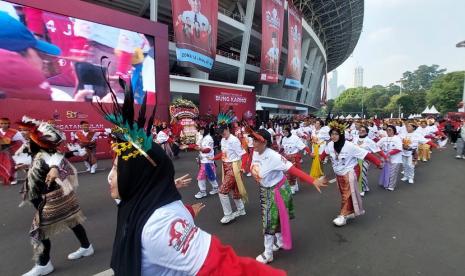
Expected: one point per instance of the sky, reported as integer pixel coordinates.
(400, 35)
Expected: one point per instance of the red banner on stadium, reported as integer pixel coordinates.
(214, 100)
(195, 24)
(67, 117)
(294, 50)
(272, 37)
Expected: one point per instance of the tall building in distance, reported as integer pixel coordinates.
(358, 77)
(333, 86)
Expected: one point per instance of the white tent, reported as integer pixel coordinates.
(341, 117)
(426, 111)
(349, 116)
(356, 116)
(433, 110)
(410, 116)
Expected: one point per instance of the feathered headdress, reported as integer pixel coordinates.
(42, 133)
(133, 137)
(225, 118)
(340, 127)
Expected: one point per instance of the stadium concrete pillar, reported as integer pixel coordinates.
(314, 81)
(154, 10)
(308, 74)
(305, 49)
(246, 40)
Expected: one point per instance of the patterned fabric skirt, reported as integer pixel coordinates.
(363, 178)
(315, 170)
(56, 213)
(351, 201)
(388, 177)
(269, 209)
(295, 160)
(207, 171)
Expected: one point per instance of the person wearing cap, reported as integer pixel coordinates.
(50, 186)
(10, 141)
(22, 54)
(269, 169)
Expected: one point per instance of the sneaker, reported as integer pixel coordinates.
(214, 191)
(264, 259)
(410, 181)
(404, 179)
(81, 252)
(362, 194)
(249, 174)
(340, 220)
(239, 213)
(227, 219)
(402, 172)
(293, 189)
(390, 189)
(201, 194)
(14, 182)
(277, 247)
(463, 156)
(39, 270)
(458, 156)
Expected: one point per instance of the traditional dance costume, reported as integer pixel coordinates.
(88, 141)
(369, 145)
(424, 149)
(207, 168)
(10, 141)
(392, 148)
(231, 155)
(164, 140)
(292, 145)
(56, 203)
(345, 165)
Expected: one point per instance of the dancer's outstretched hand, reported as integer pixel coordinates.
(183, 181)
(320, 182)
(197, 207)
(52, 175)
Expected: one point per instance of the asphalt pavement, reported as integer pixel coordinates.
(419, 229)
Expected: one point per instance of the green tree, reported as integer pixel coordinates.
(349, 101)
(422, 78)
(446, 92)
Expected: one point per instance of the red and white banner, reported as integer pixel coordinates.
(67, 117)
(214, 100)
(195, 24)
(272, 37)
(294, 50)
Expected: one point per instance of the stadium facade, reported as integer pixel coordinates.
(330, 32)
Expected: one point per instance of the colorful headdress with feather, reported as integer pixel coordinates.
(225, 118)
(133, 137)
(340, 127)
(42, 133)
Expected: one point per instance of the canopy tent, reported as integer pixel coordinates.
(349, 116)
(426, 111)
(356, 116)
(433, 110)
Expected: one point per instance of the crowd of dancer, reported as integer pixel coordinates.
(156, 232)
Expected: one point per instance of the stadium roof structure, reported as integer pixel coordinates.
(338, 24)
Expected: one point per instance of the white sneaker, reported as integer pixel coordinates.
(362, 194)
(277, 247)
(404, 178)
(39, 270)
(200, 194)
(463, 156)
(458, 156)
(340, 220)
(214, 191)
(292, 189)
(14, 182)
(81, 252)
(227, 219)
(93, 168)
(410, 181)
(390, 189)
(264, 259)
(239, 213)
(402, 172)
(249, 174)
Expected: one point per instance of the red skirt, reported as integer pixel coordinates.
(7, 167)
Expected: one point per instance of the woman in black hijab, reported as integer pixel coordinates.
(156, 233)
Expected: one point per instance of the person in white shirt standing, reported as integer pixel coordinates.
(392, 148)
(410, 142)
(207, 168)
(291, 146)
(269, 169)
(231, 155)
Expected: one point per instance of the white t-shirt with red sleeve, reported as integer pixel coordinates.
(231, 149)
(347, 159)
(269, 167)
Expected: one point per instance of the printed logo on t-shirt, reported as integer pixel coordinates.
(181, 234)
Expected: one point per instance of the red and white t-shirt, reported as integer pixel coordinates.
(231, 149)
(347, 159)
(292, 144)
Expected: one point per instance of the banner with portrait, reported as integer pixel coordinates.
(195, 24)
(272, 37)
(294, 50)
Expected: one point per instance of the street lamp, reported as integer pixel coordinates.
(461, 44)
(400, 93)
